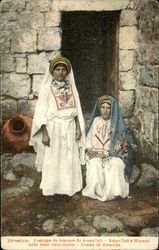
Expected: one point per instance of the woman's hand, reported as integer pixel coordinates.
(78, 132)
(45, 136)
(91, 153)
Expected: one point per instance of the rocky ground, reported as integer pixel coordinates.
(26, 212)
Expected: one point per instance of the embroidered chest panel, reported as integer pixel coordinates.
(64, 96)
(103, 133)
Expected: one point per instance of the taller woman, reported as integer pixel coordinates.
(58, 131)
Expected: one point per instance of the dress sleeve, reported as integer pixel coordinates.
(89, 137)
(40, 115)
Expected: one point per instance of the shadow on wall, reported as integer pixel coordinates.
(90, 41)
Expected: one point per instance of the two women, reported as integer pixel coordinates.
(58, 137)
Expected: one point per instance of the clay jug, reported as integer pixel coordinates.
(16, 133)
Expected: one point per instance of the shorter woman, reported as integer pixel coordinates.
(108, 156)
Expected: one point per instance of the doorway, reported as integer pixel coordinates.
(90, 41)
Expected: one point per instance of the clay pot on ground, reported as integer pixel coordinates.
(16, 133)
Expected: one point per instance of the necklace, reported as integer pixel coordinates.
(60, 85)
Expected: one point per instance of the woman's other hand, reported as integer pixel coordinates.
(78, 133)
(91, 153)
(45, 136)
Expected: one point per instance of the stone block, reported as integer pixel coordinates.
(126, 59)
(155, 135)
(128, 38)
(148, 149)
(135, 174)
(32, 5)
(148, 122)
(36, 20)
(11, 16)
(83, 226)
(128, 18)
(27, 181)
(9, 20)
(146, 99)
(37, 80)
(52, 19)
(18, 6)
(127, 80)
(39, 5)
(132, 5)
(49, 39)
(89, 5)
(7, 63)
(21, 64)
(108, 223)
(149, 232)
(44, 5)
(145, 77)
(16, 85)
(142, 98)
(53, 54)
(14, 192)
(6, 5)
(138, 219)
(6, 160)
(37, 63)
(27, 107)
(155, 75)
(149, 76)
(24, 159)
(10, 176)
(153, 101)
(24, 41)
(148, 177)
(142, 58)
(9, 5)
(3, 21)
(127, 100)
(152, 53)
(49, 226)
(5, 41)
(9, 108)
(131, 123)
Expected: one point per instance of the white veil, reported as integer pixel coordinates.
(70, 78)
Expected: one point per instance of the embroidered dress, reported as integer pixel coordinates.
(57, 105)
(108, 176)
(105, 176)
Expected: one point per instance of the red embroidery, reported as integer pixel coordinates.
(65, 100)
(103, 144)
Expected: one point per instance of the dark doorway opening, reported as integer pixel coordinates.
(90, 41)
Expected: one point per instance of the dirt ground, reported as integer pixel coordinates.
(24, 215)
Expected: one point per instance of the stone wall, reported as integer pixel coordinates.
(146, 105)
(128, 75)
(31, 35)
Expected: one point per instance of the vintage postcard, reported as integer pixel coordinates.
(79, 151)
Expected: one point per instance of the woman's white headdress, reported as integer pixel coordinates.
(70, 77)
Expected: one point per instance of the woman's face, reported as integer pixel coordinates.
(105, 110)
(60, 72)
